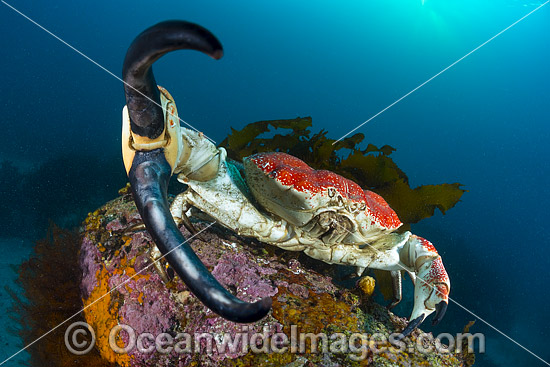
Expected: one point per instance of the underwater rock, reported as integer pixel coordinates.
(121, 284)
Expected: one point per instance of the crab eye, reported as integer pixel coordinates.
(331, 192)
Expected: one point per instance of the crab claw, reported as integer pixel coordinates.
(432, 286)
(149, 163)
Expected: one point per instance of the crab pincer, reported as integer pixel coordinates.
(273, 197)
(150, 155)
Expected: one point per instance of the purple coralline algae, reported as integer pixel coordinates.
(118, 258)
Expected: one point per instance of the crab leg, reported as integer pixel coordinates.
(396, 288)
(238, 213)
(396, 252)
(151, 150)
(432, 285)
(178, 210)
(417, 256)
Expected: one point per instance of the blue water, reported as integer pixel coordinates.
(484, 123)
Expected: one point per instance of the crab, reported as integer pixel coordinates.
(273, 197)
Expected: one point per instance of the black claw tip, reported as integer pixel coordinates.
(142, 95)
(244, 312)
(262, 308)
(149, 177)
(440, 310)
(266, 303)
(413, 324)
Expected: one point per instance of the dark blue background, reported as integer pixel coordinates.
(484, 123)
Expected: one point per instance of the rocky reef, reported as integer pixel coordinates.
(112, 270)
(117, 259)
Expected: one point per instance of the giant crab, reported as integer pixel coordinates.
(273, 197)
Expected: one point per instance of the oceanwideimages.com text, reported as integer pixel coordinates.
(80, 339)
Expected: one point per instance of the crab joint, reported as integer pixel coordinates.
(169, 140)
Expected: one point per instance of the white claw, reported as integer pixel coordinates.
(432, 284)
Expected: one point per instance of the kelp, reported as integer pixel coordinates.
(468, 355)
(51, 295)
(372, 168)
(51, 277)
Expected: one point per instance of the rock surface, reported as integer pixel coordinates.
(123, 285)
